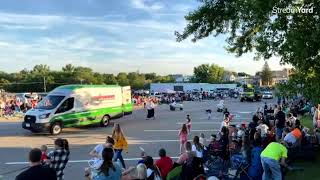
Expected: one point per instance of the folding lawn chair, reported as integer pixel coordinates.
(215, 166)
(239, 167)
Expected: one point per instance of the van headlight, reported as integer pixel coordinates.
(44, 116)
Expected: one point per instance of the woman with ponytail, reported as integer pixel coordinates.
(108, 170)
(59, 157)
(120, 144)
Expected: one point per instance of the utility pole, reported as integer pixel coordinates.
(44, 84)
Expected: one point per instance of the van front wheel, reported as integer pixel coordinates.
(105, 121)
(56, 129)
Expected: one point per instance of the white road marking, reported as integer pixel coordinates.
(208, 122)
(176, 130)
(83, 161)
(244, 112)
(145, 141)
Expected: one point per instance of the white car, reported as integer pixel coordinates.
(267, 95)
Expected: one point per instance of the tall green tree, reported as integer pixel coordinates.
(206, 73)
(261, 26)
(41, 69)
(122, 79)
(109, 79)
(266, 74)
(136, 80)
(68, 68)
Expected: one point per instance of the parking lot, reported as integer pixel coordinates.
(151, 135)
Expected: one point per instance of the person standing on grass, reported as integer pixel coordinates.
(316, 117)
(280, 123)
(183, 136)
(36, 170)
(270, 157)
(150, 109)
(120, 144)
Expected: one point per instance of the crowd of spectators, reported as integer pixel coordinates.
(11, 104)
(266, 148)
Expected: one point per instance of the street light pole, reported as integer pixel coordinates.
(44, 84)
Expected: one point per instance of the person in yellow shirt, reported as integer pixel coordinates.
(120, 144)
(270, 157)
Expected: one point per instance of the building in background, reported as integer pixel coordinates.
(229, 77)
(280, 76)
(189, 87)
(244, 78)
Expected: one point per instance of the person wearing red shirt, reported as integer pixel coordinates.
(164, 164)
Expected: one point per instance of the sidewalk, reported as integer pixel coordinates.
(12, 119)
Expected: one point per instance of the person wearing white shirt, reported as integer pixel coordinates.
(197, 147)
(262, 128)
(316, 116)
(150, 108)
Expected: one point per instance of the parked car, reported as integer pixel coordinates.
(267, 95)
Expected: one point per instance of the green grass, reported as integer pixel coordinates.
(311, 169)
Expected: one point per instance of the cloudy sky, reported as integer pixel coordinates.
(109, 36)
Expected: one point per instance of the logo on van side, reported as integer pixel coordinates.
(104, 97)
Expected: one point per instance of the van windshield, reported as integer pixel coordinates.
(50, 102)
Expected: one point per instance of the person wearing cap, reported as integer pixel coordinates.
(270, 158)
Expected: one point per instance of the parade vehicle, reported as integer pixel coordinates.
(221, 107)
(174, 105)
(78, 105)
(250, 93)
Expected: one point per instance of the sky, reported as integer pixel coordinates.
(109, 36)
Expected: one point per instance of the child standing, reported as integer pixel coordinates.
(44, 156)
(183, 136)
(188, 124)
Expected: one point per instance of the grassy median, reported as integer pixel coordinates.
(311, 169)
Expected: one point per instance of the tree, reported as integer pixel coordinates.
(151, 76)
(261, 26)
(41, 69)
(136, 80)
(266, 74)
(109, 79)
(206, 73)
(202, 73)
(122, 79)
(68, 68)
(84, 75)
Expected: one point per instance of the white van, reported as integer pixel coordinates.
(78, 105)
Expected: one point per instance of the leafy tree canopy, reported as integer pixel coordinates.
(262, 26)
